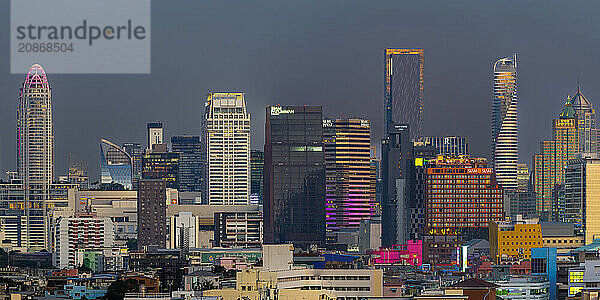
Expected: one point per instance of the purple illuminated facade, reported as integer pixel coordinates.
(350, 178)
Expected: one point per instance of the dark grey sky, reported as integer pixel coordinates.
(324, 52)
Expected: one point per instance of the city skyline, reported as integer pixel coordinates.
(276, 79)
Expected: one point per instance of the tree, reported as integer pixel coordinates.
(117, 289)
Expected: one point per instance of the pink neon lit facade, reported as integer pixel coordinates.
(350, 178)
(409, 254)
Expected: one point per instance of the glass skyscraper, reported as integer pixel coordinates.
(190, 162)
(135, 151)
(403, 90)
(257, 162)
(504, 122)
(116, 165)
(294, 177)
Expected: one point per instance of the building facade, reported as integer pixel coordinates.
(35, 156)
(116, 165)
(462, 195)
(582, 196)
(396, 150)
(586, 123)
(513, 241)
(184, 231)
(238, 229)
(294, 175)
(549, 164)
(152, 213)
(135, 151)
(257, 162)
(504, 122)
(350, 179)
(160, 164)
(189, 149)
(154, 134)
(447, 145)
(403, 89)
(76, 234)
(78, 172)
(226, 139)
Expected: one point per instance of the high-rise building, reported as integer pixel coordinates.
(257, 162)
(190, 162)
(454, 186)
(404, 89)
(154, 134)
(582, 196)
(586, 123)
(376, 165)
(152, 213)
(135, 151)
(447, 145)
(76, 234)
(35, 155)
(160, 164)
(422, 155)
(226, 144)
(78, 172)
(505, 122)
(294, 175)
(350, 179)
(549, 164)
(115, 164)
(396, 151)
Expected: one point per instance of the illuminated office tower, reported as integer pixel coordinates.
(116, 165)
(226, 146)
(447, 145)
(189, 149)
(350, 179)
(505, 122)
(154, 134)
(549, 164)
(257, 162)
(586, 122)
(294, 177)
(158, 163)
(35, 156)
(403, 90)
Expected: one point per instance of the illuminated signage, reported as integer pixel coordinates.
(419, 161)
(479, 171)
(277, 110)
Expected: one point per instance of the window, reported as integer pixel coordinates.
(538, 265)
